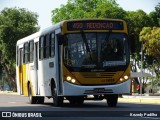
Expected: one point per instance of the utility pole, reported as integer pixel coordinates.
(141, 80)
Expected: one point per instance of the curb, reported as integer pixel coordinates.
(140, 100)
(8, 93)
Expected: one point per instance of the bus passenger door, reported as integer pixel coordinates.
(36, 67)
(59, 65)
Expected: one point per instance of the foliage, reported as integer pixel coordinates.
(157, 9)
(151, 39)
(75, 9)
(154, 16)
(104, 9)
(136, 21)
(15, 23)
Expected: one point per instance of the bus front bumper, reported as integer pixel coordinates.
(79, 90)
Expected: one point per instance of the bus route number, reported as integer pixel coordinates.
(77, 25)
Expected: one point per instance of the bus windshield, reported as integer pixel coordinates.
(95, 50)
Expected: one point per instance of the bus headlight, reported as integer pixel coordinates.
(126, 77)
(73, 80)
(121, 79)
(68, 78)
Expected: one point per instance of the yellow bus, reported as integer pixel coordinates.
(75, 60)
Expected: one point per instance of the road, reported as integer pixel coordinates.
(95, 110)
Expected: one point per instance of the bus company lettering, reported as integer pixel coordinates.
(108, 25)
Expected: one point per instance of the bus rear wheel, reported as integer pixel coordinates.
(34, 99)
(40, 100)
(112, 100)
(57, 100)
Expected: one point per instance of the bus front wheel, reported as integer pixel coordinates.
(57, 100)
(112, 100)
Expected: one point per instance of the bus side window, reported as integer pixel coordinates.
(41, 48)
(26, 53)
(31, 50)
(19, 62)
(46, 46)
(52, 45)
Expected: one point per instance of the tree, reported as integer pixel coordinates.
(155, 16)
(75, 9)
(157, 9)
(136, 21)
(150, 38)
(104, 9)
(15, 23)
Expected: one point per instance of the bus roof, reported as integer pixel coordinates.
(39, 33)
(56, 26)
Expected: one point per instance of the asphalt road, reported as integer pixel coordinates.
(17, 107)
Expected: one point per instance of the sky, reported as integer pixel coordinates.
(44, 7)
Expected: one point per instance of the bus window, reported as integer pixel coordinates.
(17, 57)
(46, 46)
(31, 50)
(41, 46)
(52, 45)
(26, 53)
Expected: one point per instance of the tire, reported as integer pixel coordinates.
(57, 100)
(77, 100)
(34, 99)
(112, 100)
(40, 100)
(80, 101)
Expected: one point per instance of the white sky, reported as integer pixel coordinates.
(44, 7)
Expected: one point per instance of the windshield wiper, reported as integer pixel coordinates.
(86, 44)
(85, 41)
(108, 35)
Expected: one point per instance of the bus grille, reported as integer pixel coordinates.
(98, 75)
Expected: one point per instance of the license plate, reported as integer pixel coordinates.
(97, 90)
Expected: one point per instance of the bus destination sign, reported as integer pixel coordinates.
(95, 25)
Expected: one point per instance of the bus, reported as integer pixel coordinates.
(75, 60)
